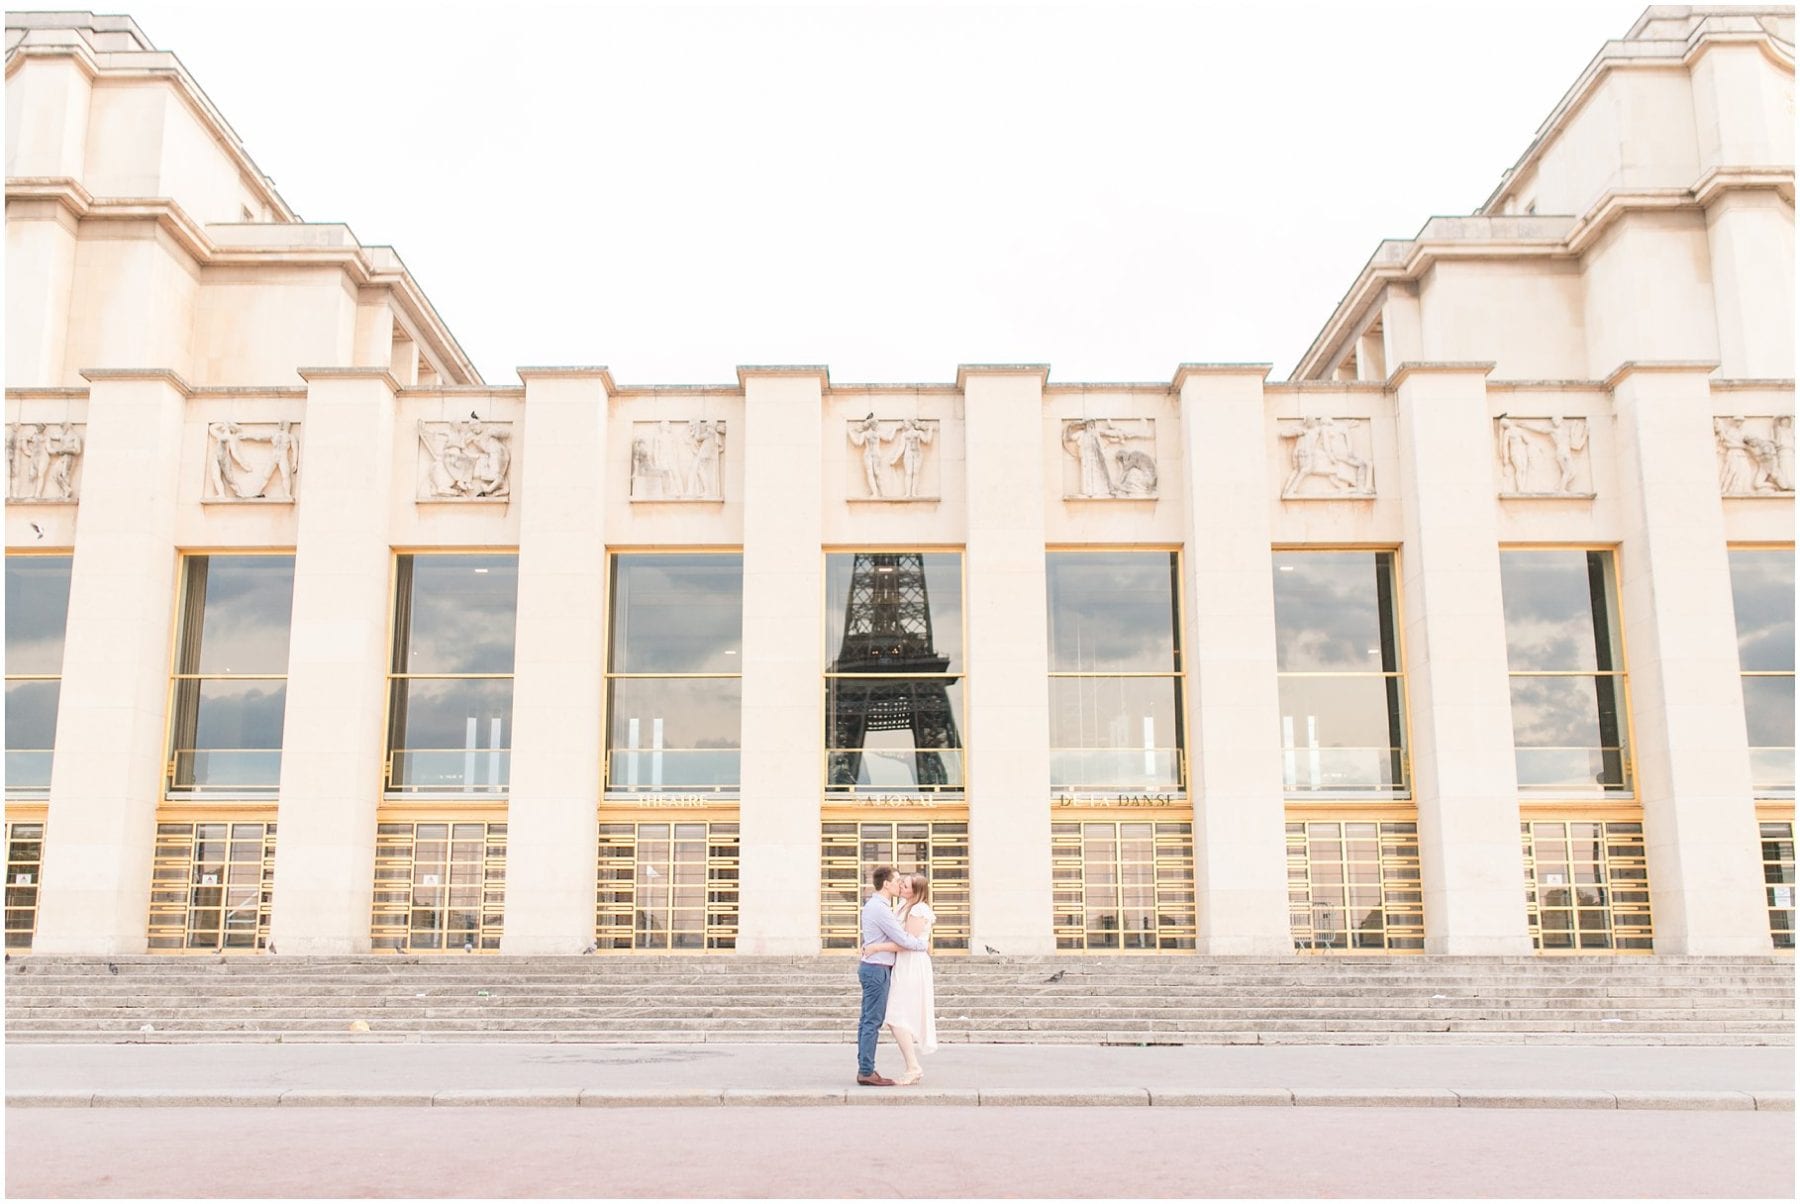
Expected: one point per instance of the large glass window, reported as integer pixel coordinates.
(1343, 698)
(37, 612)
(1587, 886)
(667, 886)
(674, 676)
(1567, 674)
(1115, 671)
(893, 673)
(1122, 885)
(439, 886)
(450, 701)
(211, 886)
(1354, 885)
(230, 687)
(1762, 592)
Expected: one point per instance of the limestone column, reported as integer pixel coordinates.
(1692, 753)
(1750, 237)
(784, 706)
(1228, 637)
(559, 664)
(1465, 782)
(333, 743)
(111, 731)
(1008, 699)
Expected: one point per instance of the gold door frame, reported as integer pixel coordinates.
(181, 897)
(619, 878)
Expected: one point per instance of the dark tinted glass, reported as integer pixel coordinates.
(1559, 613)
(237, 614)
(457, 613)
(893, 612)
(37, 612)
(1762, 592)
(1113, 612)
(678, 613)
(1334, 612)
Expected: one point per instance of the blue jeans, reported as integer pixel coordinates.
(875, 980)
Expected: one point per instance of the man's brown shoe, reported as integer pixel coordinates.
(873, 1080)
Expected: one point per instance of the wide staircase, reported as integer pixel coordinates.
(1118, 1000)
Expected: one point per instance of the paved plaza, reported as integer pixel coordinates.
(1568, 1077)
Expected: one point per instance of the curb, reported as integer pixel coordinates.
(986, 1097)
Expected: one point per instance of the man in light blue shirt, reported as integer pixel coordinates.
(876, 969)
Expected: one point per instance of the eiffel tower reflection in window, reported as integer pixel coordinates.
(893, 694)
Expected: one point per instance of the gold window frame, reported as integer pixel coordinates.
(1179, 676)
(619, 884)
(181, 896)
(33, 793)
(1079, 889)
(1392, 876)
(403, 891)
(845, 837)
(23, 861)
(1621, 876)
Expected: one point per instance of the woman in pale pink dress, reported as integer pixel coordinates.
(912, 1003)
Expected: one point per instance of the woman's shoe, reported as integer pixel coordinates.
(909, 1078)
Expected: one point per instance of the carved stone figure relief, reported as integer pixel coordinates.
(894, 459)
(1327, 458)
(1109, 458)
(1543, 457)
(1756, 455)
(678, 461)
(467, 460)
(43, 461)
(251, 461)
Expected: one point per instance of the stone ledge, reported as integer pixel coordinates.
(1221, 1097)
(1536, 1099)
(515, 1097)
(989, 1097)
(1688, 1101)
(332, 1097)
(1376, 1097)
(1080, 1097)
(651, 1097)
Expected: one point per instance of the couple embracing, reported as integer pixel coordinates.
(895, 973)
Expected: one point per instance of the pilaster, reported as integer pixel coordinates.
(1228, 632)
(558, 665)
(783, 737)
(111, 737)
(1008, 701)
(1691, 751)
(1465, 782)
(333, 744)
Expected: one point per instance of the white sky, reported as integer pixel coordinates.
(887, 189)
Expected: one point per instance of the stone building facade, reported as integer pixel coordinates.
(1475, 636)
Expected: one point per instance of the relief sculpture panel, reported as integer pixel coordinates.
(467, 460)
(1756, 455)
(894, 459)
(678, 461)
(1328, 458)
(1543, 457)
(1109, 457)
(251, 461)
(43, 461)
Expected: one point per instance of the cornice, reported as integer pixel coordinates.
(1413, 368)
(1639, 56)
(114, 70)
(45, 392)
(1748, 383)
(164, 375)
(818, 371)
(965, 371)
(1185, 370)
(309, 375)
(415, 311)
(1644, 367)
(1407, 260)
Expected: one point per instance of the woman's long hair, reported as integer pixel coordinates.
(921, 889)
